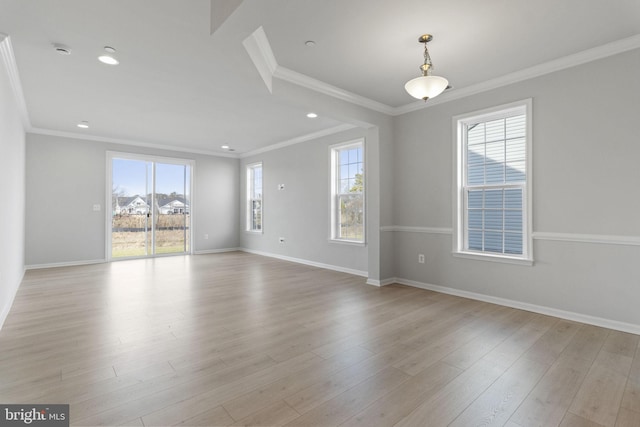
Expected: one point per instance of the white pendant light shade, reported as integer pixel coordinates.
(425, 87)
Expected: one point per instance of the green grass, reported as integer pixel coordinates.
(132, 244)
(136, 252)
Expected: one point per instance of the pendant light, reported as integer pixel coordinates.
(426, 86)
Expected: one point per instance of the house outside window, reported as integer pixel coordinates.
(493, 191)
(254, 197)
(347, 192)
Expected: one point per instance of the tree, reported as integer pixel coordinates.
(351, 209)
(116, 193)
(358, 185)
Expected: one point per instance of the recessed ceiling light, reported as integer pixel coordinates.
(312, 115)
(310, 43)
(83, 124)
(225, 147)
(108, 59)
(62, 49)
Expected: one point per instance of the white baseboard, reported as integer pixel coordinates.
(381, 283)
(64, 264)
(5, 310)
(568, 315)
(307, 262)
(216, 251)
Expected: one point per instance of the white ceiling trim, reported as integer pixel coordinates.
(86, 137)
(265, 61)
(260, 52)
(9, 60)
(303, 80)
(271, 66)
(259, 49)
(300, 139)
(589, 55)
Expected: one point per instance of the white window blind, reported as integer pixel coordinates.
(495, 186)
(493, 201)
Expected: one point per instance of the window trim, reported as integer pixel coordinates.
(333, 192)
(459, 124)
(249, 209)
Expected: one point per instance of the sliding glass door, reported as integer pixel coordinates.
(173, 215)
(150, 206)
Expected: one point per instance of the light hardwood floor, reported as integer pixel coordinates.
(239, 339)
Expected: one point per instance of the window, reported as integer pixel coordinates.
(254, 197)
(347, 192)
(144, 190)
(493, 183)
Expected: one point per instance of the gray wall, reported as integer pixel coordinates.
(12, 187)
(378, 134)
(300, 212)
(585, 179)
(585, 182)
(66, 177)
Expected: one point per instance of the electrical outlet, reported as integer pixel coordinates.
(96, 208)
(206, 237)
(280, 187)
(421, 258)
(281, 240)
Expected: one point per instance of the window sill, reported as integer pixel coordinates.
(256, 232)
(348, 242)
(494, 258)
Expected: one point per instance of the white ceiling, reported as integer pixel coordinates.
(178, 85)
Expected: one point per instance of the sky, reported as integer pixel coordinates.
(130, 177)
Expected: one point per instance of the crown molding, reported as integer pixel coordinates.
(589, 55)
(293, 141)
(259, 50)
(49, 132)
(9, 60)
(300, 139)
(303, 80)
(270, 65)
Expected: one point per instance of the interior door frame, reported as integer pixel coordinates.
(110, 155)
